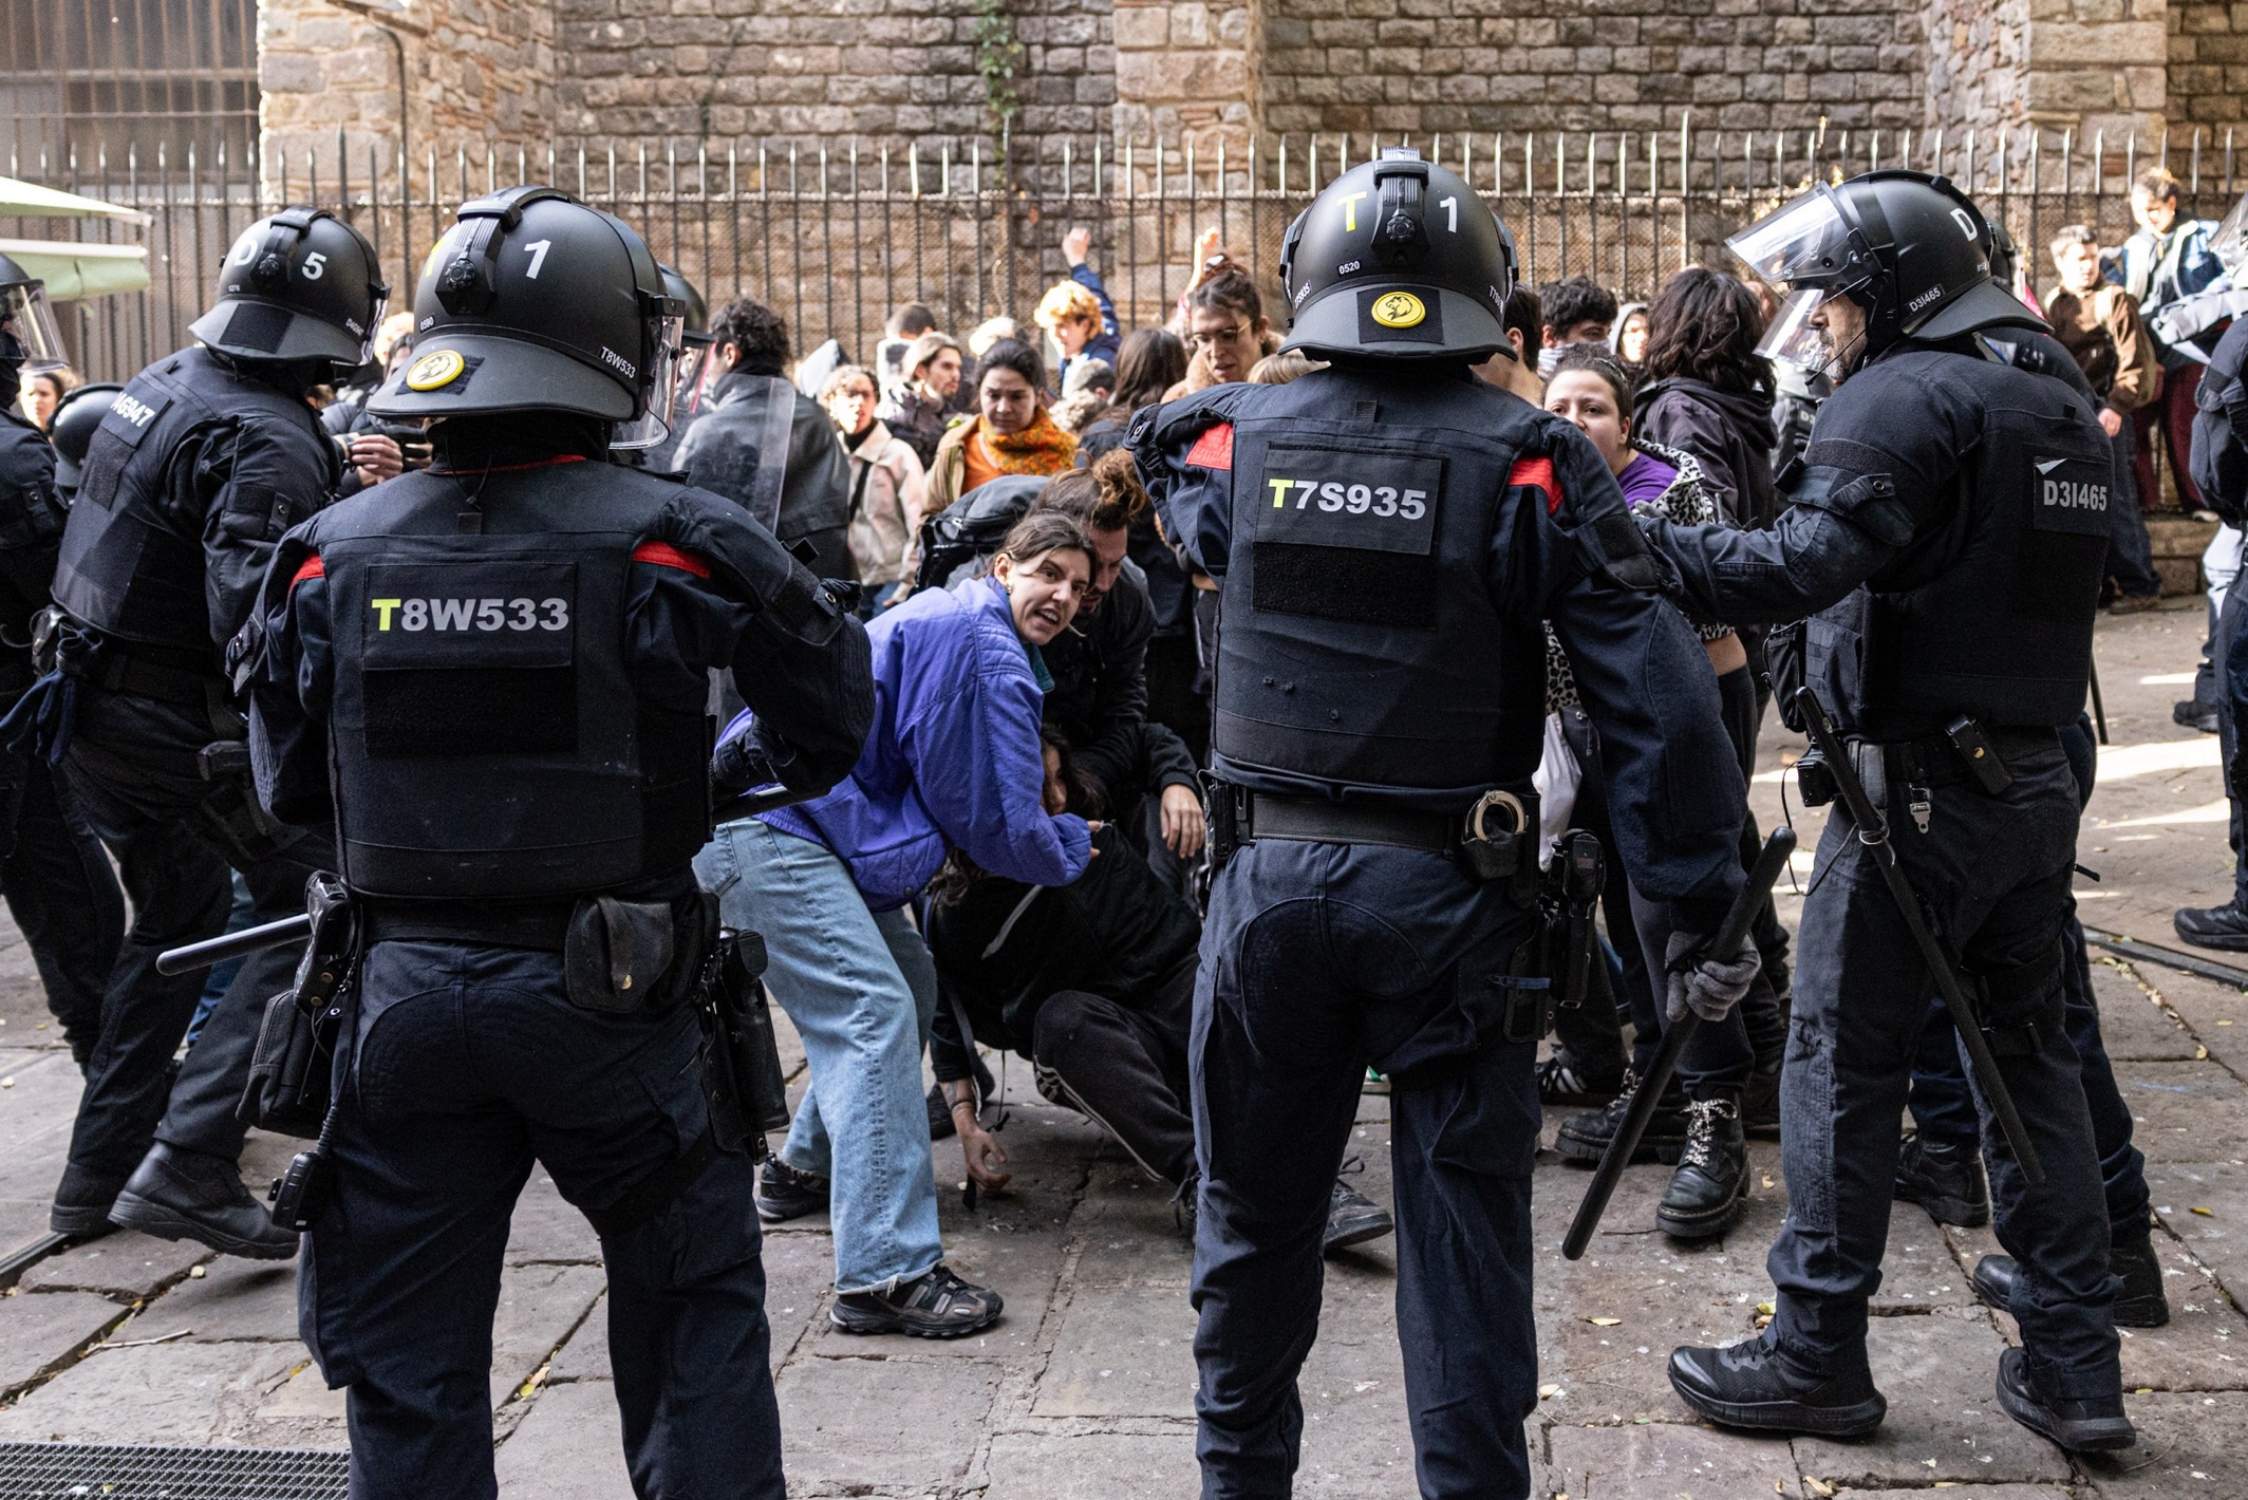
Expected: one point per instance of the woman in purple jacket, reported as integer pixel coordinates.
(953, 762)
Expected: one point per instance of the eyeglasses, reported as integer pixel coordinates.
(1222, 336)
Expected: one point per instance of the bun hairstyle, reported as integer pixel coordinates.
(1106, 497)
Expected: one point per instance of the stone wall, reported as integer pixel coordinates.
(2208, 64)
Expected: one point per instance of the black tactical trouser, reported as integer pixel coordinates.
(1993, 875)
(132, 764)
(470, 1064)
(1316, 960)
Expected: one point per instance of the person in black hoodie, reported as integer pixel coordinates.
(1093, 983)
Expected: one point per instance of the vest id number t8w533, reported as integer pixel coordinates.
(489, 616)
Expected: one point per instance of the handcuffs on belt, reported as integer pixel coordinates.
(1503, 854)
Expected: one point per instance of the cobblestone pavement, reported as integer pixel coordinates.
(1086, 1388)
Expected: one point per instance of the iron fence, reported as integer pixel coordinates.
(835, 234)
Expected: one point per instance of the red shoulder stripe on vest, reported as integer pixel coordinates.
(1537, 474)
(1214, 449)
(664, 555)
(311, 567)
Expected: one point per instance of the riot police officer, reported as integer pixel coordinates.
(1947, 539)
(1387, 534)
(499, 667)
(56, 879)
(200, 464)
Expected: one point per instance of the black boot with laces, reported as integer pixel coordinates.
(1711, 1184)
(1585, 1137)
(1754, 1385)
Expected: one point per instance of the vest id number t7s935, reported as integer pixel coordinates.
(1380, 500)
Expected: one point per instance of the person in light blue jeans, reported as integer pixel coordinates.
(953, 761)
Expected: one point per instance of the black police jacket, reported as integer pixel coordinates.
(31, 522)
(192, 477)
(1387, 542)
(720, 453)
(1946, 541)
(2220, 427)
(500, 669)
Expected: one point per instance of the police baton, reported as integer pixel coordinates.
(2099, 709)
(296, 929)
(1732, 935)
(1966, 1013)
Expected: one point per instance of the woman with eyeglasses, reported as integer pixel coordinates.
(1226, 327)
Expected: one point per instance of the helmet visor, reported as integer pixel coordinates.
(1803, 243)
(2230, 242)
(1792, 339)
(28, 333)
(653, 425)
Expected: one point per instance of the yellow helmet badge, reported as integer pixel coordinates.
(1399, 310)
(435, 370)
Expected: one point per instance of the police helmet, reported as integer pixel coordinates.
(298, 285)
(534, 301)
(1397, 259)
(2005, 259)
(71, 429)
(29, 340)
(1908, 247)
(694, 312)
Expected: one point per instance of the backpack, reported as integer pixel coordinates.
(969, 530)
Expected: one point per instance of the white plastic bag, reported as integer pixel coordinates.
(1557, 779)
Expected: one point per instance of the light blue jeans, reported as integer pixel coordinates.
(861, 989)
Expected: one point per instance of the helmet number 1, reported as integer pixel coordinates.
(538, 249)
(315, 266)
(1451, 207)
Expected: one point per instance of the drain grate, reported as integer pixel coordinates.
(69, 1471)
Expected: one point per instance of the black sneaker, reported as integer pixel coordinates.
(2141, 1303)
(783, 1193)
(1749, 1385)
(1706, 1192)
(1563, 1080)
(1585, 1137)
(1947, 1181)
(2191, 713)
(190, 1195)
(935, 1305)
(1352, 1217)
(2094, 1426)
(2223, 927)
(1760, 1100)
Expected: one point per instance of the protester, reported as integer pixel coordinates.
(1085, 394)
(919, 408)
(952, 762)
(1523, 322)
(43, 392)
(2099, 325)
(1629, 341)
(1226, 326)
(989, 332)
(888, 490)
(1078, 312)
(1578, 310)
(2166, 262)
(1011, 433)
(899, 331)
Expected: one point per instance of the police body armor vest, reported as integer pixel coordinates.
(488, 735)
(1360, 654)
(129, 567)
(30, 513)
(1989, 611)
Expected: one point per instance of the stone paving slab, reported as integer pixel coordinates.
(2184, 1111)
(901, 1423)
(124, 1264)
(2135, 1026)
(235, 1300)
(569, 1446)
(2217, 1236)
(2188, 1446)
(167, 1393)
(1672, 1460)
(39, 1331)
(1064, 1465)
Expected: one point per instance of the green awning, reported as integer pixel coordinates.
(29, 200)
(73, 271)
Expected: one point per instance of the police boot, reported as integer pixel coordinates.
(1711, 1183)
(1585, 1137)
(2081, 1426)
(1352, 1217)
(82, 1203)
(2141, 1303)
(191, 1195)
(2224, 927)
(1947, 1181)
(1753, 1385)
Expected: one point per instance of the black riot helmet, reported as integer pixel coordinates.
(534, 301)
(1397, 259)
(300, 285)
(1909, 248)
(72, 429)
(30, 343)
(694, 311)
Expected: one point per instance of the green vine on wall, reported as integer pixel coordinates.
(999, 57)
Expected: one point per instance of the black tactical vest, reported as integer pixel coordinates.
(1360, 652)
(131, 565)
(31, 514)
(489, 736)
(1989, 611)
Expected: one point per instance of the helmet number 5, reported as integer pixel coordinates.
(538, 249)
(315, 266)
(1451, 207)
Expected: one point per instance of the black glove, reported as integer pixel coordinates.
(1701, 982)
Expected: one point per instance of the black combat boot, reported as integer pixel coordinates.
(1585, 1137)
(82, 1203)
(2087, 1426)
(1752, 1385)
(1711, 1183)
(1945, 1180)
(190, 1195)
(2224, 927)
(1352, 1217)
(2141, 1303)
